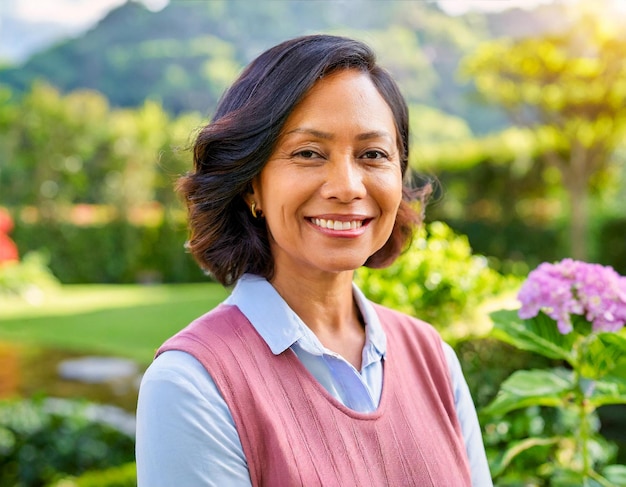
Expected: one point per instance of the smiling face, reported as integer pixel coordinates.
(332, 186)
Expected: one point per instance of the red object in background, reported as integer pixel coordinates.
(8, 249)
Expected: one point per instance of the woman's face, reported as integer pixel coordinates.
(331, 189)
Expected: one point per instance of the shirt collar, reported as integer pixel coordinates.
(281, 327)
(374, 335)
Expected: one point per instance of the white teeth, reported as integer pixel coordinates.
(338, 225)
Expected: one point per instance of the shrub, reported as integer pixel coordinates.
(439, 280)
(38, 445)
(28, 278)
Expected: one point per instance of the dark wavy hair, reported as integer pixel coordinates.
(234, 147)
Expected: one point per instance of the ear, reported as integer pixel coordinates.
(247, 194)
(254, 189)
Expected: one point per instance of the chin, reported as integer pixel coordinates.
(345, 265)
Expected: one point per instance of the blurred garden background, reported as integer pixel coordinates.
(519, 114)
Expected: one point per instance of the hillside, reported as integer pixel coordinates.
(186, 54)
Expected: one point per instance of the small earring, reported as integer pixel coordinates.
(253, 209)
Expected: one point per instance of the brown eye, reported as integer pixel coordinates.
(374, 154)
(307, 154)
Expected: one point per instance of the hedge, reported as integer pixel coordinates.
(115, 252)
(612, 244)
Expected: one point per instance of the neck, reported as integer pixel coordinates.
(326, 305)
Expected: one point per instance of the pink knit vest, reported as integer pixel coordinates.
(294, 433)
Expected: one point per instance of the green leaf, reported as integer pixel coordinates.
(567, 477)
(603, 353)
(615, 474)
(610, 390)
(539, 334)
(515, 449)
(526, 388)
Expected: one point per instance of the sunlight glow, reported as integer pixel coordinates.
(459, 7)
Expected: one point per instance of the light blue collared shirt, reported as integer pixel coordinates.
(186, 435)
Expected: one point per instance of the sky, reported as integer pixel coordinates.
(79, 14)
(84, 13)
(29, 25)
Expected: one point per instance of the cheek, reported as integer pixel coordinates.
(391, 204)
(390, 192)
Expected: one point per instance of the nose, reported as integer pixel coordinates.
(345, 180)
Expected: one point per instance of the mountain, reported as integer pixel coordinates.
(30, 39)
(187, 53)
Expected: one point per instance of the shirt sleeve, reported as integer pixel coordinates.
(466, 412)
(185, 432)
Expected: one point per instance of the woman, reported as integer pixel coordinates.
(297, 379)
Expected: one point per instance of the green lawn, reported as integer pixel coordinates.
(125, 320)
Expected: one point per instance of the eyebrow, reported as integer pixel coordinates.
(374, 134)
(315, 133)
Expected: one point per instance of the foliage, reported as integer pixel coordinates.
(503, 359)
(437, 279)
(611, 241)
(37, 445)
(514, 246)
(571, 87)
(495, 190)
(436, 128)
(72, 149)
(119, 476)
(148, 252)
(28, 279)
(572, 452)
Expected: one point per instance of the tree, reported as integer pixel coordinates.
(58, 150)
(570, 88)
(48, 143)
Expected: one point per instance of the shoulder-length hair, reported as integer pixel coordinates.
(229, 152)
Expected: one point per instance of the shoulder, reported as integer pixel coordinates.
(178, 374)
(212, 331)
(220, 319)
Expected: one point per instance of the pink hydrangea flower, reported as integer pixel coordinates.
(572, 287)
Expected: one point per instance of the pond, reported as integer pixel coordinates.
(30, 371)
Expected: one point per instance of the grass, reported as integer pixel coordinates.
(123, 320)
